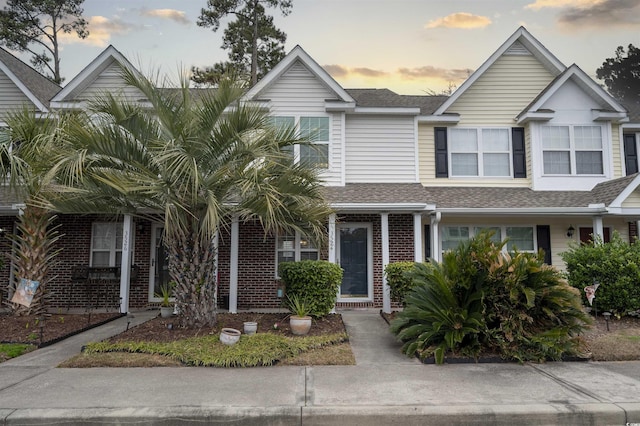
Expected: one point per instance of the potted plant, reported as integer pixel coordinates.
(166, 290)
(300, 318)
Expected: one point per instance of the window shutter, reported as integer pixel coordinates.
(630, 154)
(544, 241)
(519, 153)
(427, 242)
(442, 170)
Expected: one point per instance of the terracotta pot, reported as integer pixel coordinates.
(250, 327)
(299, 325)
(229, 336)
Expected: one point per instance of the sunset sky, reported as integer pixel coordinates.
(409, 46)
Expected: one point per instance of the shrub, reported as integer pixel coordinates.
(399, 279)
(615, 265)
(315, 281)
(510, 304)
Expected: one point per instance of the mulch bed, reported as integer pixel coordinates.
(168, 329)
(26, 329)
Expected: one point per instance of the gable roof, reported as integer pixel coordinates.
(90, 73)
(612, 108)
(38, 88)
(385, 98)
(518, 40)
(298, 54)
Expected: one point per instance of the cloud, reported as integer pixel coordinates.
(171, 14)
(340, 71)
(541, 4)
(101, 30)
(462, 20)
(445, 74)
(603, 14)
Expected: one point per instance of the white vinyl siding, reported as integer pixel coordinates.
(299, 93)
(110, 81)
(12, 97)
(380, 149)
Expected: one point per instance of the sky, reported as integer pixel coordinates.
(409, 46)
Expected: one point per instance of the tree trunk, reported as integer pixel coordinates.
(192, 265)
(254, 46)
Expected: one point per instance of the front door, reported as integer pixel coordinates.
(159, 273)
(356, 259)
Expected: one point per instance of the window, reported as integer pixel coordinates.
(293, 248)
(106, 244)
(572, 150)
(316, 130)
(480, 152)
(520, 237)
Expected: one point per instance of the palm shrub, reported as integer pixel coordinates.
(399, 280)
(315, 281)
(615, 265)
(517, 306)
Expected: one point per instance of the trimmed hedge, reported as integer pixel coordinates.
(615, 265)
(398, 280)
(315, 281)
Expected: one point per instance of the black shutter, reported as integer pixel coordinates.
(442, 171)
(630, 154)
(519, 153)
(544, 241)
(427, 242)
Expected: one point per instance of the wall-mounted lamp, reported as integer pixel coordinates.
(570, 231)
(140, 227)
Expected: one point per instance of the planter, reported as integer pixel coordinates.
(166, 311)
(229, 336)
(250, 327)
(299, 325)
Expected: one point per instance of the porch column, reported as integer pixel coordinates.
(125, 263)
(386, 290)
(435, 236)
(598, 228)
(332, 249)
(216, 268)
(233, 267)
(417, 237)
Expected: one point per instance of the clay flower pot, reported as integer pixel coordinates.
(229, 336)
(300, 325)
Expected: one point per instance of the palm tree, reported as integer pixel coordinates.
(23, 165)
(202, 160)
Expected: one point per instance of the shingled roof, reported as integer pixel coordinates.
(40, 86)
(386, 98)
(376, 193)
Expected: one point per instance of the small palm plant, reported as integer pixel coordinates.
(166, 292)
(298, 306)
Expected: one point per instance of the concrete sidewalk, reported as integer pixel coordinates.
(383, 388)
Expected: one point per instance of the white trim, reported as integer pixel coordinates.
(524, 211)
(446, 119)
(369, 227)
(382, 206)
(233, 266)
(343, 150)
(332, 238)
(23, 88)
(633, 185)
(531, 43)
(298, 54)
(384, 236)
(417, 237)
(386, 110)
(598, 228)
(125, 263)
(480, 152)
(503, 233)
(435, 236)
(416, 150)
(530, 116)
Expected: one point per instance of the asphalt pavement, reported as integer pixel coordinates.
(384, 387)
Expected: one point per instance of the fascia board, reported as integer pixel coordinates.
(381, 206)
(386, 110)
(625, 193)
(545, 211)
(448, 118)
(23, 88)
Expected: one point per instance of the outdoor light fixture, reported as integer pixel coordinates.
(607, 316)
(570, 231)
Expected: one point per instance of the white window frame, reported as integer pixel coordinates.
(297, 249)
(480, 152)
(296, 123)
(476, 228)
(573, 163)
(114, 249)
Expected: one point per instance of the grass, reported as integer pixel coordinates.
(262, 349)
(12, 350)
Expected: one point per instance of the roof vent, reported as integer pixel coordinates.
(517, 49)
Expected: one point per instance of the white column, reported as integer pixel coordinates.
(233, 267)
(598, 228)
(386, 290)
(125, 264)
(417, 237)
(216, 269)
(332, 238)
(435, 236)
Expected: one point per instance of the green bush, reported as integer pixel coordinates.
(399, 279)
(615, 265)
(482, 299)
(316, 281)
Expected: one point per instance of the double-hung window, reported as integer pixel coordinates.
(293, 248)
(316, 131)
(106, 244)
(572, 150)
(519, 237)
(482, 152)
